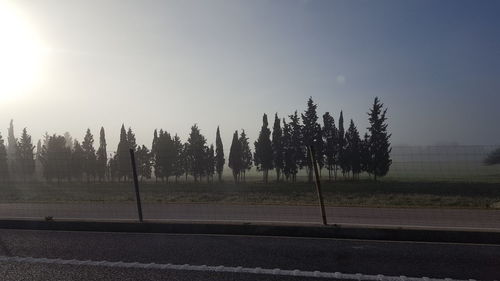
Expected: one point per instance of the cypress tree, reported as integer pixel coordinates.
(330, 139)
(11, 148)
(219, 155)
(277, 144)
(143, 157)
(25, 156)
(341, 143)
(89, 165)
(4, 168)
(311, 133)
(123, 166)
(246, 154)
(263, 156)
(353, 150)
(102, 156)
(178, 161)
(77, 161)
(155, 156)
(379, 145)
(297, 145)
(131, 139)
(290, 164)
(210, 165)
(235, 157)
(196, 152)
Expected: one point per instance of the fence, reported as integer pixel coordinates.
(434, 186)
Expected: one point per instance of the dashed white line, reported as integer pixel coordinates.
(221, 268)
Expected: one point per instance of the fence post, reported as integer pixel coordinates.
(136, 184)
(318, 183)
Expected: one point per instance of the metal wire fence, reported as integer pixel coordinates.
(432, 186)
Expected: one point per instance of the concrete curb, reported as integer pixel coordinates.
(289, 230)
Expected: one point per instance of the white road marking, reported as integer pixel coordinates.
(221, 268)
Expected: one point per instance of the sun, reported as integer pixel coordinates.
(21, 53)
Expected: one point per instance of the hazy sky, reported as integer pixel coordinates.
(170, 64)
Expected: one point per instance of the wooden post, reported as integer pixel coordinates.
(318, 183)
(136, 184)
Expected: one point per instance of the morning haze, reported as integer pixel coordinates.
(170, 64)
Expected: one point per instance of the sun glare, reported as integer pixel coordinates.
(21, 54)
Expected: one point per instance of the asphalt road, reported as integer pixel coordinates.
(434, 260)
(441, 218)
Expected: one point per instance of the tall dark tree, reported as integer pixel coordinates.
(178, 161)
(219, 155)
(379, 145)
(56, 159)
(210, 158)
(277, 144)
(143, 159)
(11, 148)
(263, 156)
(77, 161)
(311, 133)
(166, 153)
(25, 157)
(131, 139)
(297, 146)
(4, 168)
(89, 164)
(123, 167)
(102, 156)
(196, 152)
(353, 150)
(365, 154)
(341, 143)
(246, 155)
(235, 157)
(155, 156)
(290, 164)
(330, 139)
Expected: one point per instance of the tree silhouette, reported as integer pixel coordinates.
(89, 164)
(196, 152)
(379, 145)
(25, 161)
(4, 168)
(330, 150)
(341, 145)
(123, 166)
(311, 135)
(263, 156)
(235, 157)
(56, 159)
(277, 144)
(210, 165)
(11, 148)
(178, 161)
(297, 146)
(246, 154)
(102, 156)
(131, 139)
(353, 150)
(77, 161)
(290, 164)
(143, 163)
(219, 155)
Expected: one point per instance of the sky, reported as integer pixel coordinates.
(74, 65)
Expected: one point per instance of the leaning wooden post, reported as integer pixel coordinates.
(318, 183)
(136, 184)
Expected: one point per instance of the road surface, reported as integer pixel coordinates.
(440, 218)
(57, 255)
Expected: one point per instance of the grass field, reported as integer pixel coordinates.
(385, 193)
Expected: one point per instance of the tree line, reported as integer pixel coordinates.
(343, 153)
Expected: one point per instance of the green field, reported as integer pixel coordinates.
(385, 193)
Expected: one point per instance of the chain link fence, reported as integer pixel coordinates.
(427, 186)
